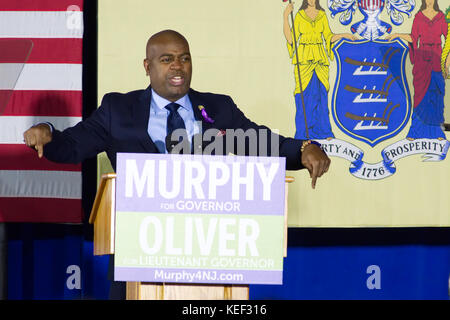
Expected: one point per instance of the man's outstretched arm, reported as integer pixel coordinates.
(298, 153)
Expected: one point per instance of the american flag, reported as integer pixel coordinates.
(40, 80)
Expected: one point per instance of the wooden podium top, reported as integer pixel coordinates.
(103, 215)
(105, 179)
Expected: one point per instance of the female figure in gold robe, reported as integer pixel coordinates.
(314, 41)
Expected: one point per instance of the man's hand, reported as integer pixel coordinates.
(37, 137)
(316, 161)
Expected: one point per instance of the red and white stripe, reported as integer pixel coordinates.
(41, 67)
(371, 4)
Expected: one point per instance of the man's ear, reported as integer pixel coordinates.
(146, 67)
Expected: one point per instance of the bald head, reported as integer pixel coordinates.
(163, 37)
(168, 63)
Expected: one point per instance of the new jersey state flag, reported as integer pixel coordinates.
(40, 80)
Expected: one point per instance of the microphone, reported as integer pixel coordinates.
(170, 144)
(178, 143)
(211, 142)
(198, 144)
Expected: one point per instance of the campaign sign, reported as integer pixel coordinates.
(199, 219)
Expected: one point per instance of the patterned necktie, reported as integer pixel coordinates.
(174, 120)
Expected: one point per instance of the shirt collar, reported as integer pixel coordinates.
(161, 102)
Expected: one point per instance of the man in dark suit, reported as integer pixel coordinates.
(140, 121)
(134, 122)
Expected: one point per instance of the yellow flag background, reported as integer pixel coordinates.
(238, 48)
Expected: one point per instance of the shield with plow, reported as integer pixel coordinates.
(371, 100)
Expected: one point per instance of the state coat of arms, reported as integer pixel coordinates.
(371, 100)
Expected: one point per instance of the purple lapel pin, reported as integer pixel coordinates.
(205, 115)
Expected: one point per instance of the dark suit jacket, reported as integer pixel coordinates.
(120, 125)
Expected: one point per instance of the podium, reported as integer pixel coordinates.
(103, 218)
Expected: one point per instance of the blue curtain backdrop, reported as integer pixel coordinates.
(414, 263)
(53, 261)
(408, 263)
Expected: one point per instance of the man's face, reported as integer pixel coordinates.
(169, 66)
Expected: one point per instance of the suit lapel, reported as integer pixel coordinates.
(196, 101)
(211, 109)
(141, 113)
